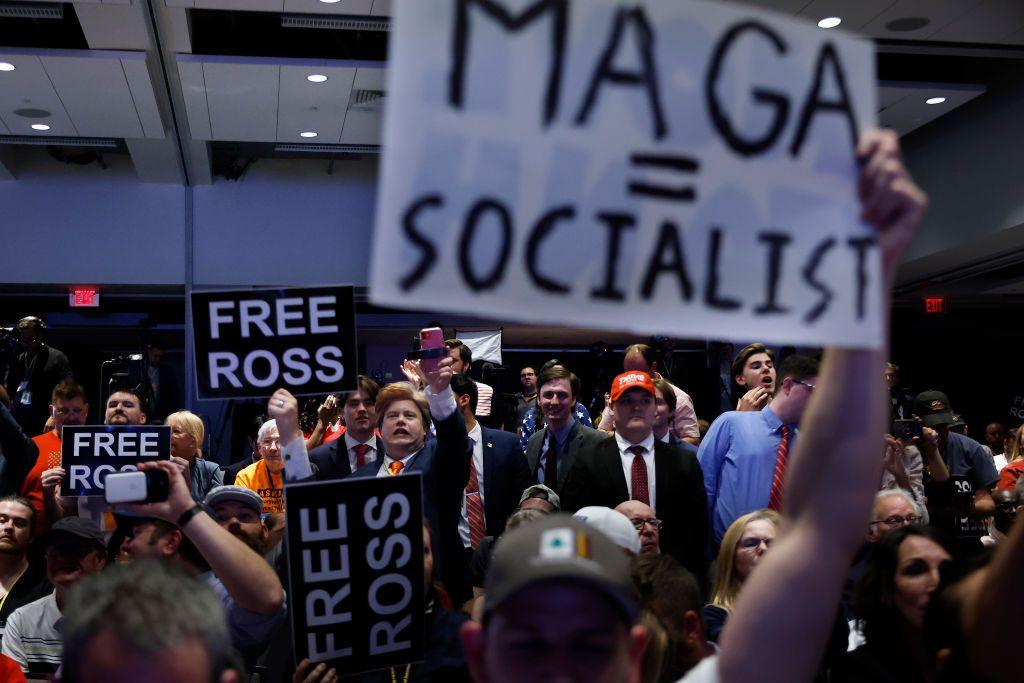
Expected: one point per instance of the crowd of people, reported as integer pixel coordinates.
(786, 541)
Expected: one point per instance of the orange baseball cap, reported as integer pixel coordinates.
(632, 379)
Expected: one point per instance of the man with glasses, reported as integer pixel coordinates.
(744, 454)
(647, 526)
(74, 549)
(633, 465)
(894, 509)
(266, 475)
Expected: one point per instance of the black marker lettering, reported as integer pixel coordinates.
(776, 241)
(540, 231)
(810, 272)
(473, 218)
(777, 100)
(668, 245)
(616, 222)
(428, 257)
(861, 245)
(827, 56)
(559, 10)
(711, 296)
(647, 77)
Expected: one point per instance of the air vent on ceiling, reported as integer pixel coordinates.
(367, 100)
(335, 23)
(26, 10)
(57, 141)
(329, 149)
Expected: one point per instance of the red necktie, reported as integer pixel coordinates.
(638, 476)
(361, 450)
(551, 464)
(475, 508)
(775, 499)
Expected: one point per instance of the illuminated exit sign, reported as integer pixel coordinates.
(935, 305)
(84, 297)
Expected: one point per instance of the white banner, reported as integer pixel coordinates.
(485, 344)
(677, 168)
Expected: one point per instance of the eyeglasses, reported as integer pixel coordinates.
(810, 387)
(638, 524)
(270, 443)
(753, 542)
(897, 520)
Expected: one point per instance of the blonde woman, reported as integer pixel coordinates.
(744, 544)
(187, 433)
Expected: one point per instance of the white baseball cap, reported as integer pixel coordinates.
(612, 524)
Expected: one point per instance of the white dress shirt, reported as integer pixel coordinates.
(441, 406)
(627, 464)
(477, 435)
(351, 444)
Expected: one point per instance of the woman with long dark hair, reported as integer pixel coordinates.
(908, 566)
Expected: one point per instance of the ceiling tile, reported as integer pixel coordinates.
(911, 111)
(359, 7)
(243, 100)
(855, 15)
(381, 8)
(939, 13)
(991, 21)
(193, 89)
(28, 87)
(137, 73)
(96, 96)
(318, 107)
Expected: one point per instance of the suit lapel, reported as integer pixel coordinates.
(612, 462)
(662, 478)
(533, 454)
(572, 446)
(488, 452)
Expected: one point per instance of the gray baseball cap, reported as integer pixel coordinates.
(541, 492)
(237, 494)
(559, 547)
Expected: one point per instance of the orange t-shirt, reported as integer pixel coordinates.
(257, 478)
(32, 487)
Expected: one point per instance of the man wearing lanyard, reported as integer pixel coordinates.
(266, 475)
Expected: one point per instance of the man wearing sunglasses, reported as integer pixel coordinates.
(74, 548)
(744, 454)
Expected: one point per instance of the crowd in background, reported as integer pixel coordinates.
(783, 541)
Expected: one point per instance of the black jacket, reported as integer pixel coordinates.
(596, 478)
(18, 454)
(331, 458)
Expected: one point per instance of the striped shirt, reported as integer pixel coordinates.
(32, 636)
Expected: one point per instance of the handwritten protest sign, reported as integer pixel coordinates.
(669, 167)
(355, 560)
(249, 342)
(90, 453)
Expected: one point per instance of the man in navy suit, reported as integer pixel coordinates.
(633, 465)
(359, 444)
(505, 472)
(403, 417)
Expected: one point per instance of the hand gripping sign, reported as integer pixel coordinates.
(669, 167)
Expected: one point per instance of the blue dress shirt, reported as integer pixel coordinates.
(737, 457)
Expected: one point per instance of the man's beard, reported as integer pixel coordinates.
(254, 542)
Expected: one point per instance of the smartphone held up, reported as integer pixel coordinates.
(151, 486)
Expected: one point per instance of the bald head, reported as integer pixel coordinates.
(647, 525)
(639, 357)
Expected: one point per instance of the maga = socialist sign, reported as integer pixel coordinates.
(669, 167)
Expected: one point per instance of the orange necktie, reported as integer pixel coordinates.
(395, 467)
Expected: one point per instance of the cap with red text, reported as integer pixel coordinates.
(634, 379)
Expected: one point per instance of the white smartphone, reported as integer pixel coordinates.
(151, 486)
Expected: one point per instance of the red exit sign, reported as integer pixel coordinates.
(935, 305)
(84, 297)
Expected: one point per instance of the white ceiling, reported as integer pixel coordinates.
(119, 87)
(88, 94)
(269, 100)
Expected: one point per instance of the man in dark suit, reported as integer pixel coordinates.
(403, 416)
(552, 450)
(505, 474)
(359, 444)
(633, 465)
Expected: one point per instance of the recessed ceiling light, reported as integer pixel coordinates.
(830, 22)
(935, 100)
(316, 78)
(40, 126)
(330, 2)
(307, 134)
(6, 66)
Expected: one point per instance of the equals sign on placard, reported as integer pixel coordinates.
(683, 165)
